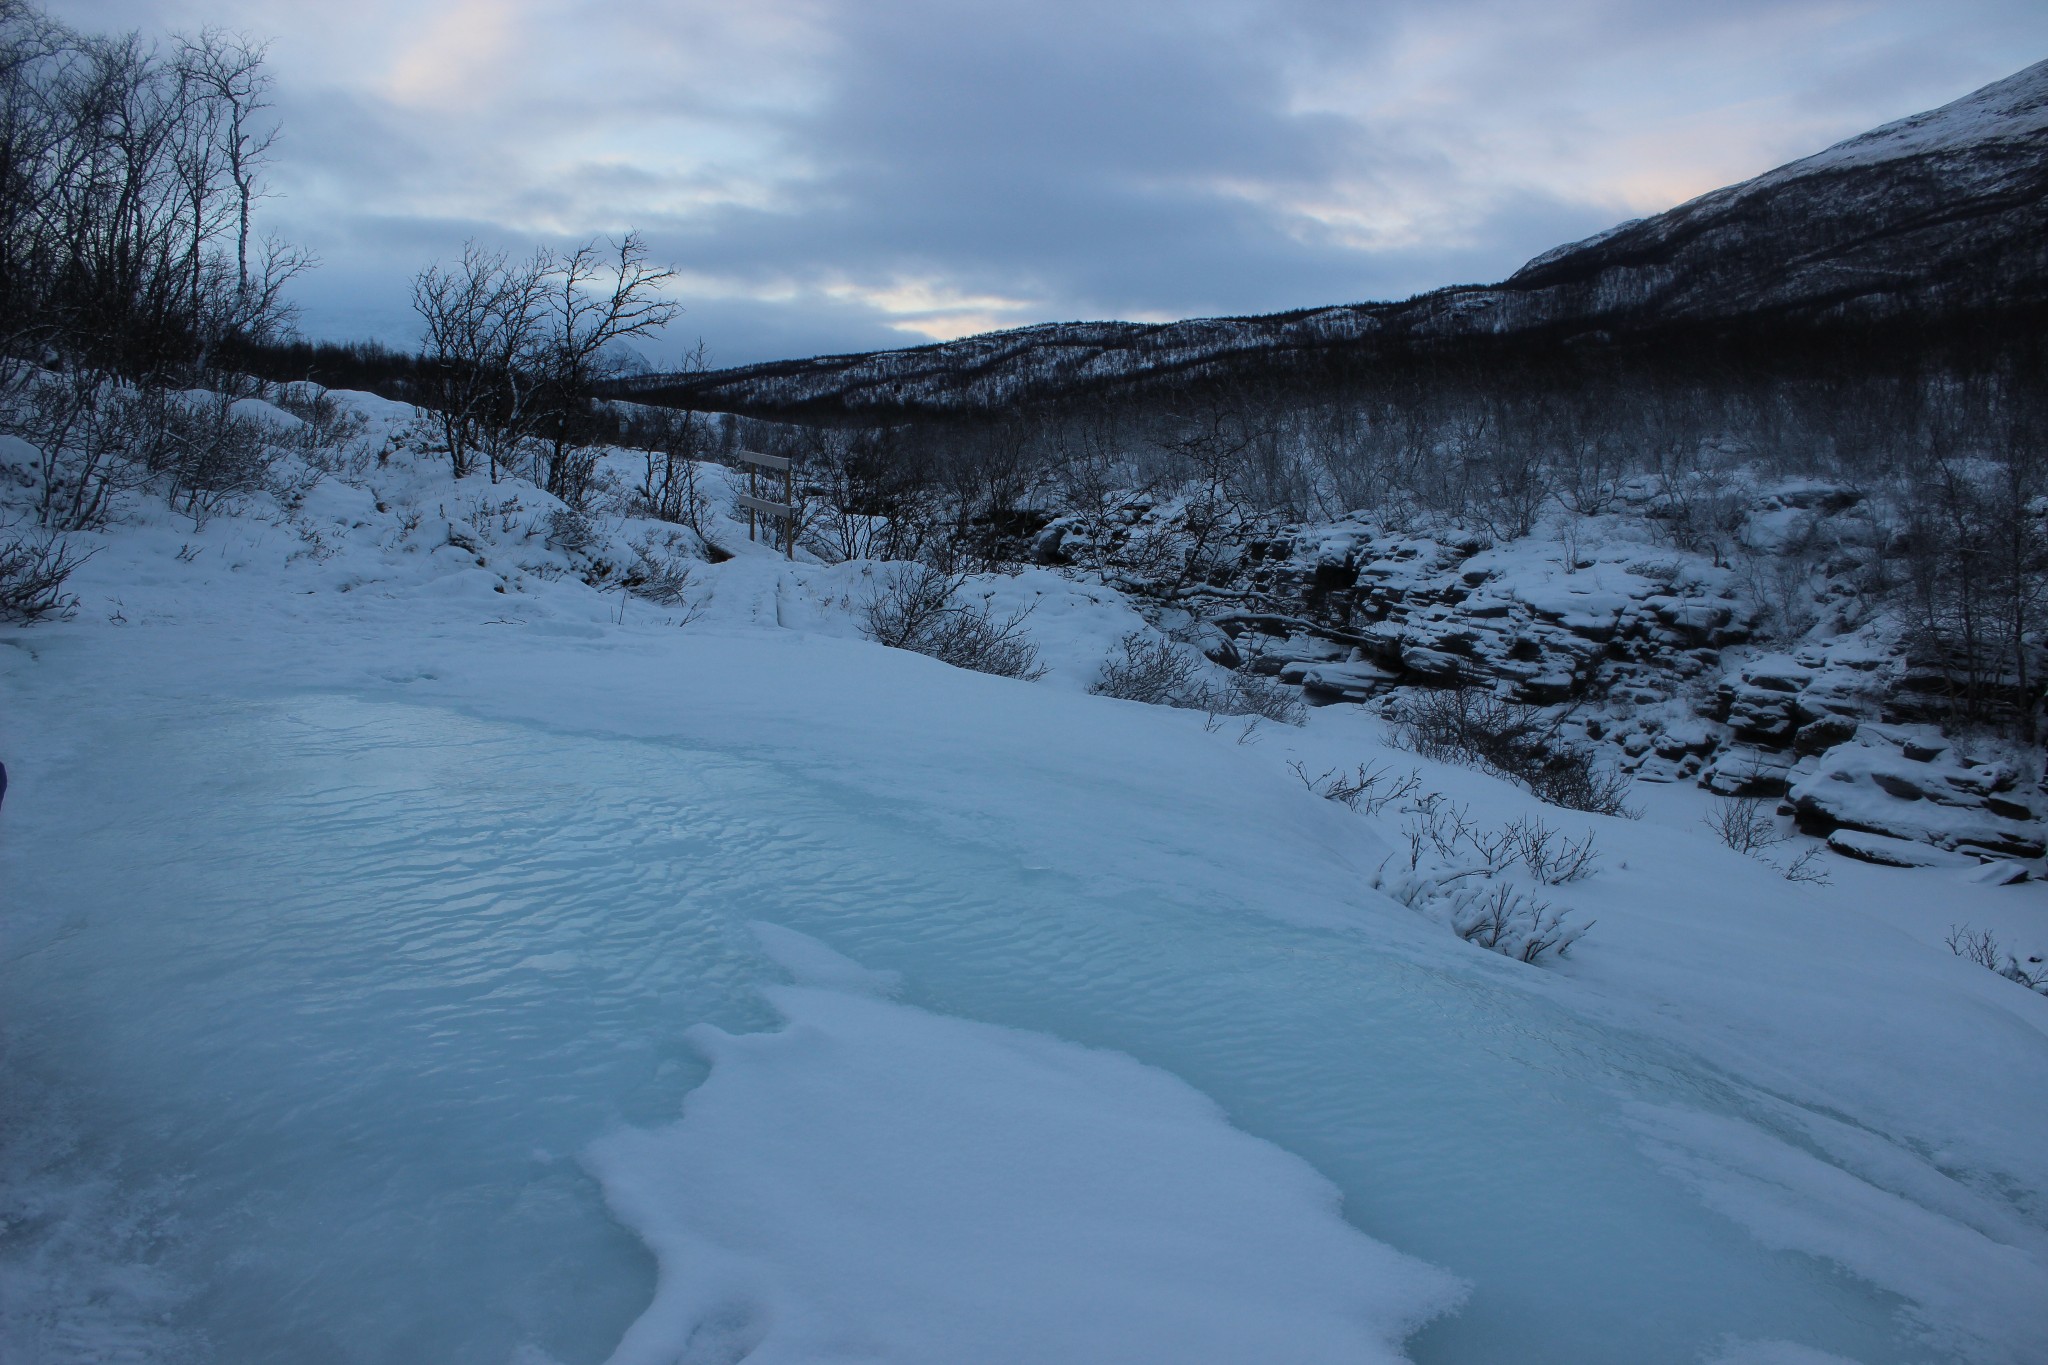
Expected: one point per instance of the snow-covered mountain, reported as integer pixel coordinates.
(1936, 216)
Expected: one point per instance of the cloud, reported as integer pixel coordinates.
(837, 174)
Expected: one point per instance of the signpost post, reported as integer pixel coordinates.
(757, 506)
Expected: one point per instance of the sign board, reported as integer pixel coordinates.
(758, 507)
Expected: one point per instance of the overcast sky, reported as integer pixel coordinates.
(837, 175)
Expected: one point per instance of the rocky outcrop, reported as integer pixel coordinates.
(1366, 611)
(1648, 652)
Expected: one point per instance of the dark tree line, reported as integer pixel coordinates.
(129, 173)
(130, 266)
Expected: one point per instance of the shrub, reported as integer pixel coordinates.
(1518, 742)
(661, 570)
(1982, 947)
(1551, 857)
(32, 574)
(1369, 789)
(921, 609)
(332, 438)
(1743, 823)
(208, 452)
(1148, 667)
(1454, 870)
(1253, 694)
(573, 531)
(1507, 920)
(1151, 668)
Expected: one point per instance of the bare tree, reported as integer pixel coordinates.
(481, 331)
(591, 302)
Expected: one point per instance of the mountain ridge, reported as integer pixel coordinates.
(1938, 215)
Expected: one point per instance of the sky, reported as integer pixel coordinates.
(843, 175)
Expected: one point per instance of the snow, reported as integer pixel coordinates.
(1080, 1207)
(2013, 110)
(396, 965)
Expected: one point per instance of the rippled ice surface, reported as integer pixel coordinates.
(319, 1004)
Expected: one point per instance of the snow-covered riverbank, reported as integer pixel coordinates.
(384, 979)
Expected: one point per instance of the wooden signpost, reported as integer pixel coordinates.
(757, 506)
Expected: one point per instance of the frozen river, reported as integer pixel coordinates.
(315, 1005)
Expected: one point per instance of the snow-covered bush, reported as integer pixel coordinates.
(32, 573)
(1148, 667)
(922, 609)
(202, 449)
(1748, 825)
(1504, 919)
(573, 531)
(80, 428)
(94, 437)
(1521, 743)
(1457, 873)
(1981, 946)
(1490, 913)
(1551, 856)
(661, 569)
(1246, 693)
(330, 435)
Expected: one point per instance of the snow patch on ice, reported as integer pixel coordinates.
(883, 1184)
(813, 964)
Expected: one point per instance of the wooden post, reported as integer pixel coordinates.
(756, 505)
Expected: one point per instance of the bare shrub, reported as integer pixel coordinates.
(1152, 668)
(1253, 694)
(207, 452)
(921, 609)
(661, 570)
(1981, 946)
(573, 531)
(1521, 743)
(1148, 667)
(82, 431)
(1551, 857)
(1507, 920)
(330, 438)
(1747, 825)
(1575, 779)
(1806, 868)
(33, 569)
(1368, 789)
(669, 487)
(1448, 829)
(1744, 823)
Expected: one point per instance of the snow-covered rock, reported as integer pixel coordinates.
(1906, 786)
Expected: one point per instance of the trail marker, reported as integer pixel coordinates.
(758, 506)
